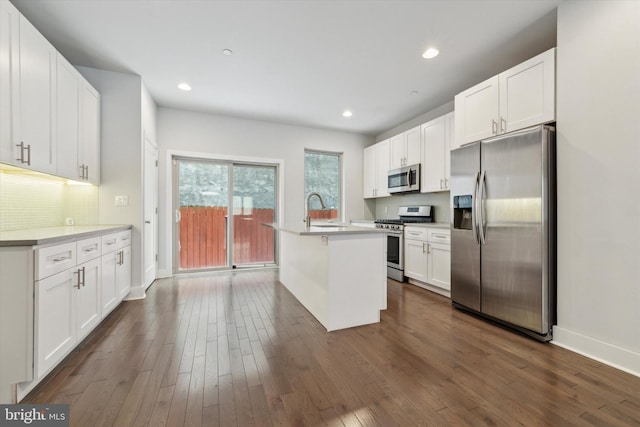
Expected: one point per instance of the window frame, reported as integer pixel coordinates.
(341, 201)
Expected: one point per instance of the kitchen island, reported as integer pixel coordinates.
(338, 273)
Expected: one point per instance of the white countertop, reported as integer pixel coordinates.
(46, 235)
(324, 230)
(430, 225)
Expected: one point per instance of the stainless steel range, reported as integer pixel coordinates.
(395, 236)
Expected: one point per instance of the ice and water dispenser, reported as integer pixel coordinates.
(462, 212)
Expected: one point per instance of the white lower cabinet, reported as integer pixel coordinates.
(415, 253)
(427, 260)
(88, 298)
(68, 303)
(439, 265)
(116, 270)
(56, 328)
(109, 290)
(62, 290)
(123, 272)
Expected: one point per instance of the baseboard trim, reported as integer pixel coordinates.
(136, 293)
(617, 357)
(163, 274)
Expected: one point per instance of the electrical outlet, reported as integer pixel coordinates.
(122, 201)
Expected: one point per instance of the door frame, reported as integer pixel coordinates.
(169, 214)
(153, 217)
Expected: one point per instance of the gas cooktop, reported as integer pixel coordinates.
(410, 215)
(410, 220)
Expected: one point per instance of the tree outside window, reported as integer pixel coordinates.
(323, 175)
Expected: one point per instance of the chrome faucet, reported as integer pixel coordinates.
(308, 218)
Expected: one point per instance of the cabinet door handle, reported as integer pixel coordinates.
(494, 127)
(83, 276)
(78, 282)
(503, 125)
(441, 182)
(87, 172)
(22, 149)
(428, 248)
(446, 183)
(423, 245)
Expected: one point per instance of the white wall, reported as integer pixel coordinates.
(120, 152)
(209, 134)
(598, 111)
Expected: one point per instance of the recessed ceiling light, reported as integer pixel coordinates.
(414, 92)
(432, 52)
(184, 86)
(227, 52)
(347, 113)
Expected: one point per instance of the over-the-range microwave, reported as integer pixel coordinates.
(404, 180)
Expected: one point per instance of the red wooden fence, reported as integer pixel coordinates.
(203, 242)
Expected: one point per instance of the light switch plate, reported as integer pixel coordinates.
(122, 201)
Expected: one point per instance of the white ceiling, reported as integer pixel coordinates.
(301, 62)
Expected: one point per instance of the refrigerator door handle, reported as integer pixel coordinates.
(482, 211)
(474, 213)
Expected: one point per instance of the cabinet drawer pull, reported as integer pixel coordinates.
(62, 258)
(91, 249)
(111, 242)
(440, 236)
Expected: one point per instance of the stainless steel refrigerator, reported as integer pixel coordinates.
(503, 233)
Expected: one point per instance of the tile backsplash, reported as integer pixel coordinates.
(387, 207)
(32, 200)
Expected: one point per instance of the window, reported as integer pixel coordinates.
(323, 175)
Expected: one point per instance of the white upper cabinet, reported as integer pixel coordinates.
(527, 93)
(517, 98)
(375, 167)
(369, 169)
(477, 111)
(405, 148)
(89, 150)
(77, 124)
(9, 51)
(49, 114)
(67, 120)
(34, 122)
(436, 139)
(382, 168)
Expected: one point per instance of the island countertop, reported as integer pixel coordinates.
(324, 229)
(47, 235)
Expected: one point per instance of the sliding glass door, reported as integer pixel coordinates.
(214, 200)
(254, 204)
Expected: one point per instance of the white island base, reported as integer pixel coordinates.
(340, 277)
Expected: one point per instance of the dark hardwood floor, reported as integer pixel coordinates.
(237, 349)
